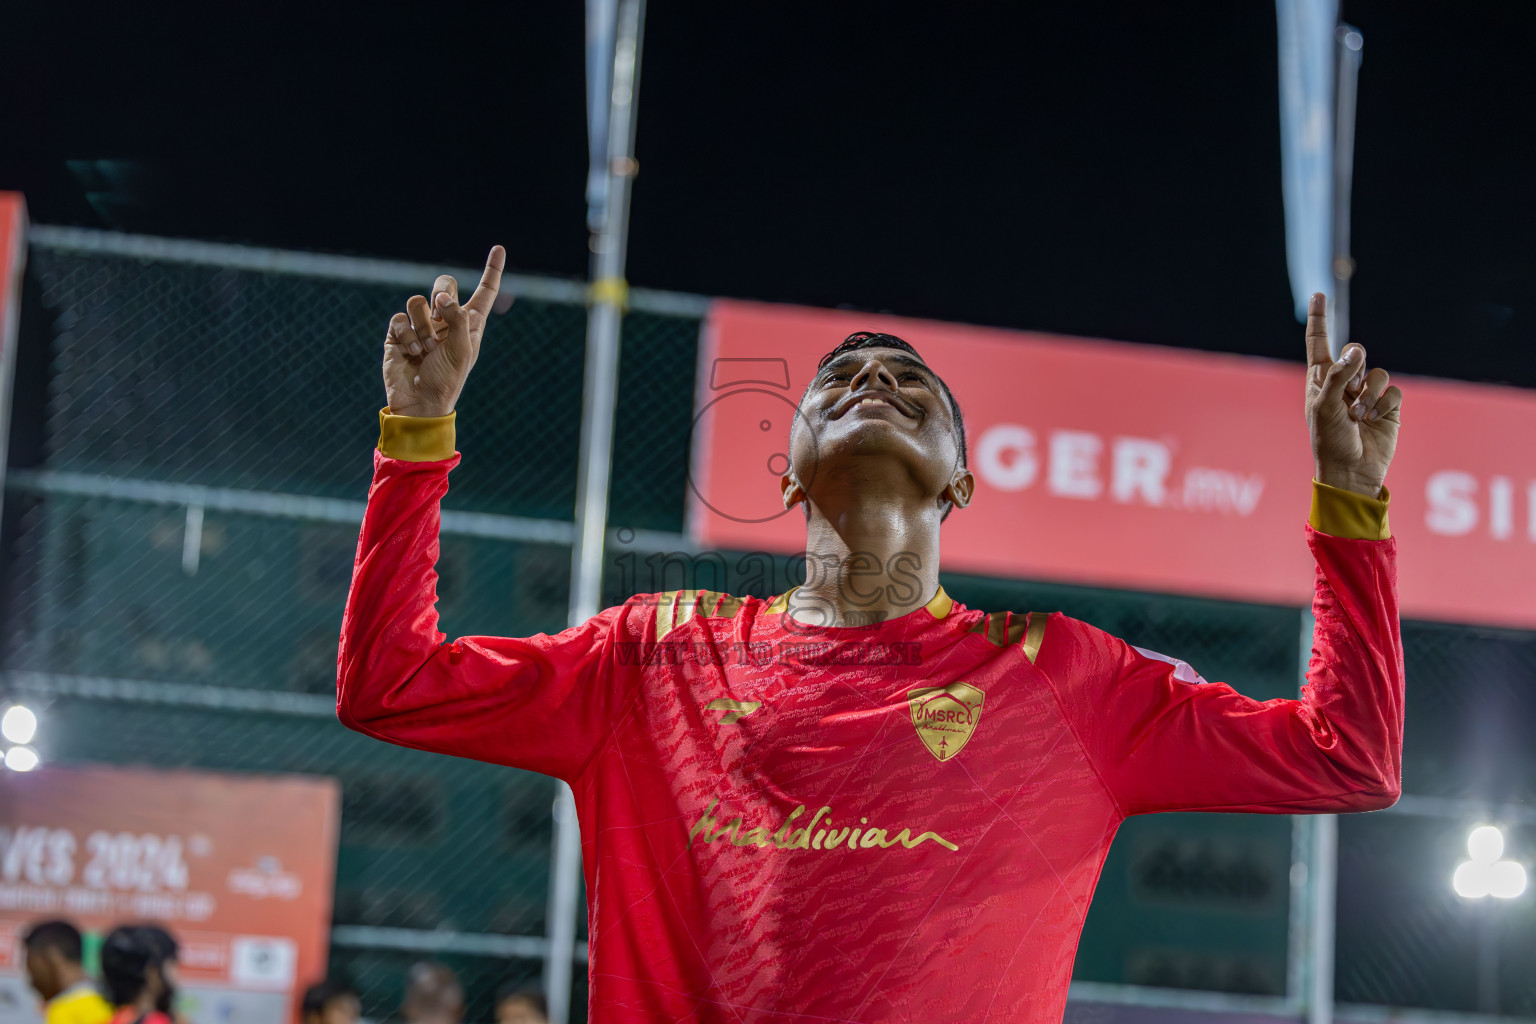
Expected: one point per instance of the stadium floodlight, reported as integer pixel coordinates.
(21, 759)
(1470, 880)
(1485, 844)
(1506, 880)
(1485, 874)
(18, 724)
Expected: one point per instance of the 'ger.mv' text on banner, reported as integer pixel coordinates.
(1135, 466)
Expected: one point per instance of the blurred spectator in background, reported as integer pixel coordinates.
(331, 1002)
(433, 995)
(54, 954)
(165, 945)
(138, 968)
(520, 1004)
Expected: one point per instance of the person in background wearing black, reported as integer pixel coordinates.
(138, 968)
(331, 1002)
(519, 1004)
(169, 953)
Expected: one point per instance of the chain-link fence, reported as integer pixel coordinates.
(1404, 936)
(190, 455)
(180, 524)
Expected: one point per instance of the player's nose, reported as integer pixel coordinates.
(873, 374)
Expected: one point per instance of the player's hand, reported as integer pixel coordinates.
(431, 347)
(1352, 413)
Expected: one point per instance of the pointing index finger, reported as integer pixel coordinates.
(490, 282)
(1318, 353)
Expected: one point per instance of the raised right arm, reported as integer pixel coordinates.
(545, 702)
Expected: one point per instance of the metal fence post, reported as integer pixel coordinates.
(13, 258)
(600, 398)
(1324, 874)
(1348, 42)
(1316, 844)
(1298, 966)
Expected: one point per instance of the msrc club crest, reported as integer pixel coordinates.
(945, 718)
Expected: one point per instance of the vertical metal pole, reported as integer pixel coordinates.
(1307, 69)
(192, 539)
(600, 398)
(1324, 872)
(1319, 837)
(1488, 921)
(1317, 897)
(1298, 959)
(1348, 43)
(13, 259)
(564, 888)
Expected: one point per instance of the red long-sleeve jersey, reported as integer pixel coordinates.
(903, 822)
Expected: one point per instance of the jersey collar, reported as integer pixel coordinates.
(939, 607)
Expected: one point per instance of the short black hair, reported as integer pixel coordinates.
(163, 941)
(874, 339)
(127, 954)
(58, 935)
(316, 997)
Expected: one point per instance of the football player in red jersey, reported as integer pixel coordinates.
(861, 800)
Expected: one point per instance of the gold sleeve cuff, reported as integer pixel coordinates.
(416, 438)
(1346, 514)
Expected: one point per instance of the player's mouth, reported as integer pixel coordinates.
(872, 401)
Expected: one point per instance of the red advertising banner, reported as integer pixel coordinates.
(1135, 466)
(239, 868)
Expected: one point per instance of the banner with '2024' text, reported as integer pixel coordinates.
(239, 869)
(1135, 466)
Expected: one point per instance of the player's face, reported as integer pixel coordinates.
(340, 1010)
(876, 402)
(42, 972)
(518, 1010)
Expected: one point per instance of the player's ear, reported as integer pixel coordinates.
(790, 488)
(960, 488)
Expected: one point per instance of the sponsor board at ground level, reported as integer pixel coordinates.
(239, 868)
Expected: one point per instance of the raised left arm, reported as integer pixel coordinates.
(1163, 739)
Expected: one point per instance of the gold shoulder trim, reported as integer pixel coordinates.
(666, 613)
(941, 605)
(1002, 629)
(684, 604)
(1035, 635)
(676, 607)
(780, 604)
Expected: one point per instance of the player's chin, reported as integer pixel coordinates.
(866, 433)
(903, 446)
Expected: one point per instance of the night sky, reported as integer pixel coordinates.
(1110, 169)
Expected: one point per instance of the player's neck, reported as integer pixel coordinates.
(69, 975)
(868, 560)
